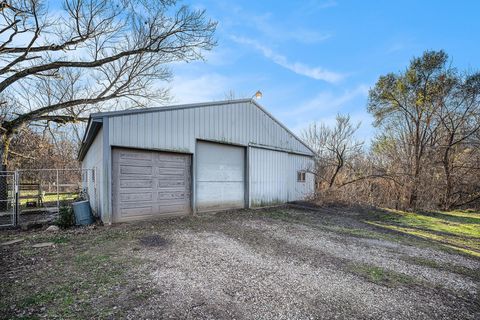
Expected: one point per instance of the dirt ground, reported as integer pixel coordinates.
(279, 263)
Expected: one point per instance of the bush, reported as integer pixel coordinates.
(66, 218)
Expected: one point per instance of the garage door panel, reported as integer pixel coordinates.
(173, 194)
(143, 196)
(170, 177)
(132, 169)
(135, 157)
(149, 183)
(171, 183)
(174, 208)
(216, 195)
(171, 171)
(135, 211)
(134, 182)
(220, 176)
(171, 163)
(212, 172)
(176, 202)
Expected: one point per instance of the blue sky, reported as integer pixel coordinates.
(314, 59)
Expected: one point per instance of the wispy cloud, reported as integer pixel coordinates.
(317, 73)
(311, 7)
(192, 88)
(327, 101)
(266, 26)
(326, 4)
(326, 105)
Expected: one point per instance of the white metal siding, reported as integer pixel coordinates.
(273, 177)
(269, 177)
(93, 160)
(220, 180)
(177, 129)
(300, 190)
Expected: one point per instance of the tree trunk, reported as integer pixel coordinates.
(337, 170)
(447, 200)
(412, 200)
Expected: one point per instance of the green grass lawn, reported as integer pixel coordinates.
(49, 197)
(458, 230)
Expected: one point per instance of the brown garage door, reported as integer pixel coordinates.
(149, 183)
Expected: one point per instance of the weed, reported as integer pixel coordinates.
(60, 239)
(66, 218)
(380, 276)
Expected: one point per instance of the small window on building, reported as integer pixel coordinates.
(301, 176)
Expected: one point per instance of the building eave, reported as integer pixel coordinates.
(93, 126)
(169, 107)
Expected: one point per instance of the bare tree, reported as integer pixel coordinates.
(335, 148)
(459, 118)
(57, 65)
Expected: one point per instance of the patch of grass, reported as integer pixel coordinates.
(57, 299)
(462, 216)
(472, 273)
(467, 246)
(423, 262)
(380, 275)
(47, 198)
(91, 260)
(279, 215)
(81, 278)
(462, 233)
(36, 299)
(285, 215)
(60, 239)
(359, 233)
(436, 223)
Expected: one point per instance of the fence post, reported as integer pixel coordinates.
(58, 194)
(16, 210)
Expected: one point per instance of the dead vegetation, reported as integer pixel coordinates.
(426, 151)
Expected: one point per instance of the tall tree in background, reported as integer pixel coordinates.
(56, 65)
(404, 107)
(459, 122)
(425, 113)
(426, 153)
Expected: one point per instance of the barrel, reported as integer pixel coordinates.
(83, 213)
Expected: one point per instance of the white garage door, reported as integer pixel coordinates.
(149, 183)
(220, 176)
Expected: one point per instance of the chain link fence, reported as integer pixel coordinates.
(7, 199)
(35, 196)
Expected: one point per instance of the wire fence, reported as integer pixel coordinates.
(7, 199)
(36, 195)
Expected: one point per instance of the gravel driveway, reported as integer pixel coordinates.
(279, 263)
(255, 267)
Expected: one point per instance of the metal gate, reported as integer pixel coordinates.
(36, 195)
(8, 199)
